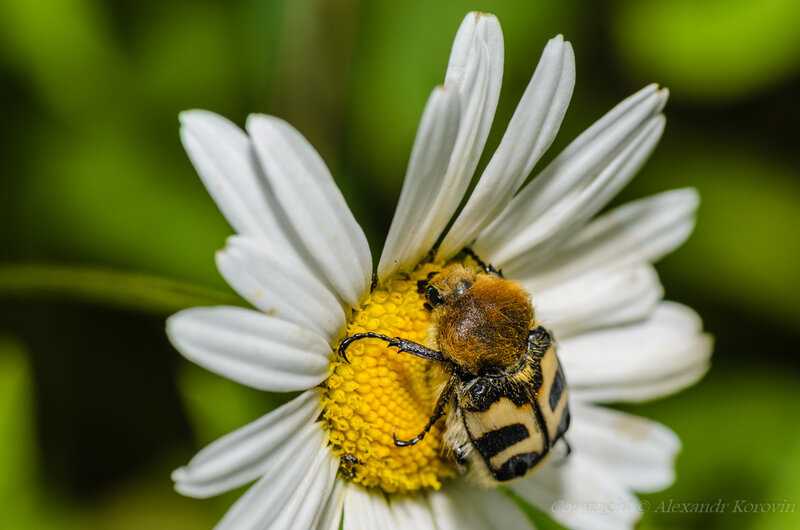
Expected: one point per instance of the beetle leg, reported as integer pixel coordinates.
(438, 412)
(402, 345)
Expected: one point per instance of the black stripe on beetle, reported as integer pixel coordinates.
(559, 383)
(485, 391)
(516, 466)
(495, 442)
(563, 425)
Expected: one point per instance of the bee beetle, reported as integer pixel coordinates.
(506, 395)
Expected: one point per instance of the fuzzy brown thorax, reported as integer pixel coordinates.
(482, 320)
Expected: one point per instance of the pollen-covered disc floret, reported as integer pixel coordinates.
(381, 393)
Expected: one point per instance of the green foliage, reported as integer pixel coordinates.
(25, 504)
(714, 49)
(217, 406)
(785, 488)
(17, 458)
(744, 250)
(107, 287)
(393, 75)
(735, 438)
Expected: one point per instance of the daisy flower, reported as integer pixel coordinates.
(328, 457)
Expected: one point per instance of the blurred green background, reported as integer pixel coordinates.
(96, 406)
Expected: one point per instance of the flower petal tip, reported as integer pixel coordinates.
(179, 475)
(197, 117)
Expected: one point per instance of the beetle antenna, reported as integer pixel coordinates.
(487, 267)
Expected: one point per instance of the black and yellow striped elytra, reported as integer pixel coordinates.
(506, 397)
(506, 424)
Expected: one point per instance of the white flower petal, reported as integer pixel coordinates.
(223, 157)
(535, 240)
(579, 182)
(662, 348)
(285, 486)
(305, 506)
(314, 206)
(463, 506)
(449, 515)
(440, 171)
(638, 452)
(330, 517)
(412, 511)
(476, 31)
(367, 510)
(251, 348)
(356, 509)
(247, 453)
(637, 232)
(530, 132)
(475, 70)
(646, 390)
(410, 237)
(583, 204)
(280, 287)
(598, 299)
(580, 494)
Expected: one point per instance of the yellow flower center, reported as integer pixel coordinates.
(381, 393)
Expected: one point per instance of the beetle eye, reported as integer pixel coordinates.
(434, 298)
(477, 390)
(462, 287)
